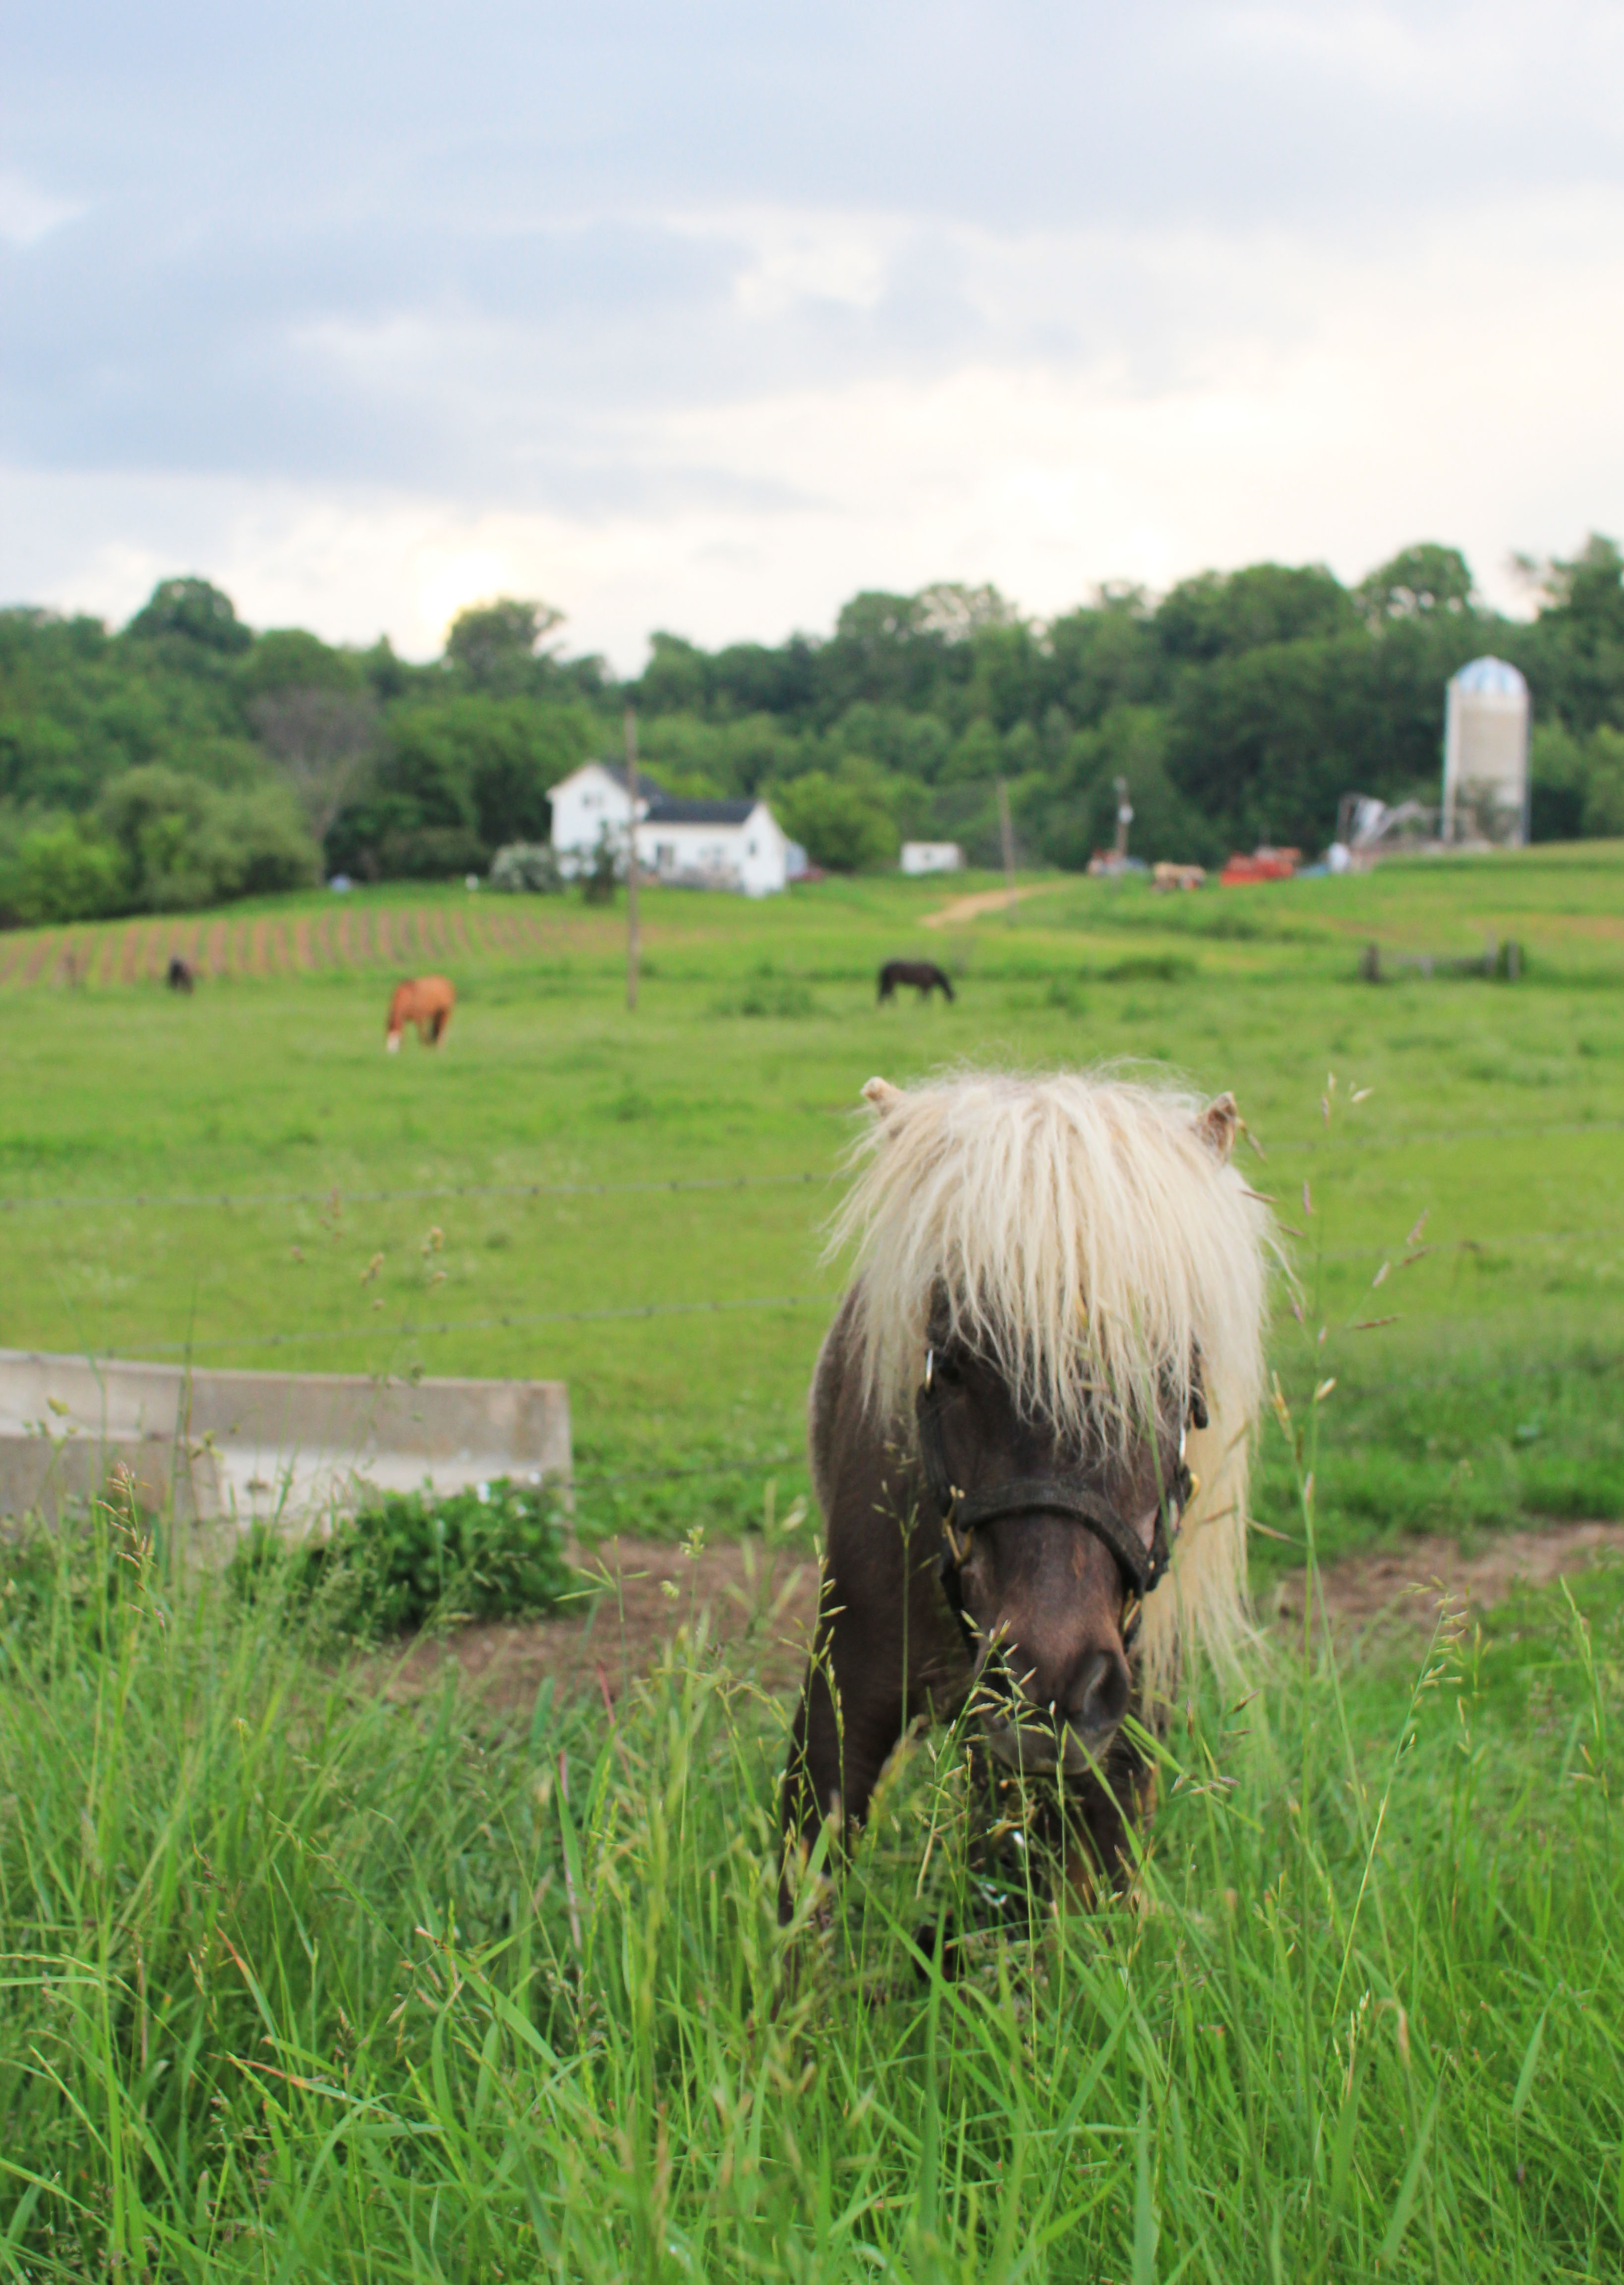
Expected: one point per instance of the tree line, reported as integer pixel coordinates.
(186, 758)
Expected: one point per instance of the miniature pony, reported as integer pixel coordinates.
(1028, 1429)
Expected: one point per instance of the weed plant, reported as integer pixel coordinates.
(499, 1550)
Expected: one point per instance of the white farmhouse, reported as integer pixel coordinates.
(708, 845)
(933, 857)
(585, 803)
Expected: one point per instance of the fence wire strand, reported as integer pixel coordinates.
(1371, 1250)
(336, 1195)
(409, 1331)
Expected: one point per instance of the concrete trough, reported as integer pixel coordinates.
(231, 1448)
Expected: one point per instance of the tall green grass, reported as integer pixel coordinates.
(303, 1977)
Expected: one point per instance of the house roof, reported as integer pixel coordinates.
(646, 782)
(671, 809)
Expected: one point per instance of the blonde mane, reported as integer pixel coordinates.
(1086, 1235)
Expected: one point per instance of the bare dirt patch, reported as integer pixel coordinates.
(1410, 1580)
(760, 1605)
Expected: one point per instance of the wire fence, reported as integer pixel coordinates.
(1375, 1250)
(395, 1330)
(336, 1195)
(1484, 1374)
(628, 1311)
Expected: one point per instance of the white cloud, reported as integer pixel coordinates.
(28, 214)
(807, 257)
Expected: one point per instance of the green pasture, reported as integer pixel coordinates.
(1495, 1110)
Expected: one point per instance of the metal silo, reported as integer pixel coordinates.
(1486, 754)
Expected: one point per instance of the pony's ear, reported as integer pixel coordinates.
(881, 1096)
(1218, 1127)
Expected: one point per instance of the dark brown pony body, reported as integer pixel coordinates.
(427, 1002)
(923, 974)
(180, 976)
(1046, 1600)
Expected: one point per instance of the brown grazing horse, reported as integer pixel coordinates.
(1057, 1279)
(923, 973)
(427, 1002)
(180, 975)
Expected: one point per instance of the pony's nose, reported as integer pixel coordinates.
(1099, 1695)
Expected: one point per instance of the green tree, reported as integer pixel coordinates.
(1559, 780)
(288, 658)
(58, 870)
(454, 780)
(182, 844)
(1417, 581)
(494, 647)
(194, 609)
(321, 739)
(1071, 812)
(1224, 613)
(1604, 808)
(1104, 655)
(677, 678)
(844, 828)
(1573, 653)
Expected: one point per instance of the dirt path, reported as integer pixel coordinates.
(761, 1606)
(984, 900)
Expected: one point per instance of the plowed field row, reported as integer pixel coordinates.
(401, 937)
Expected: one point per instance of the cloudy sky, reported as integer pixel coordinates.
(704, 316)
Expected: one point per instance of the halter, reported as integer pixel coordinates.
(965, 1512)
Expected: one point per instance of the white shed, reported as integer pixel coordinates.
(1486, 754)
(933, 857)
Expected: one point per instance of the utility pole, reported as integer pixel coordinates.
(632, 947)
(1124, 818)
(1009, 840)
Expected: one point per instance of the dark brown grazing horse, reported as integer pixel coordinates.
(1058, 1278)
(180, 975)
(923, 973)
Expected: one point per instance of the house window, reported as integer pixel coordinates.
(749, 848)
